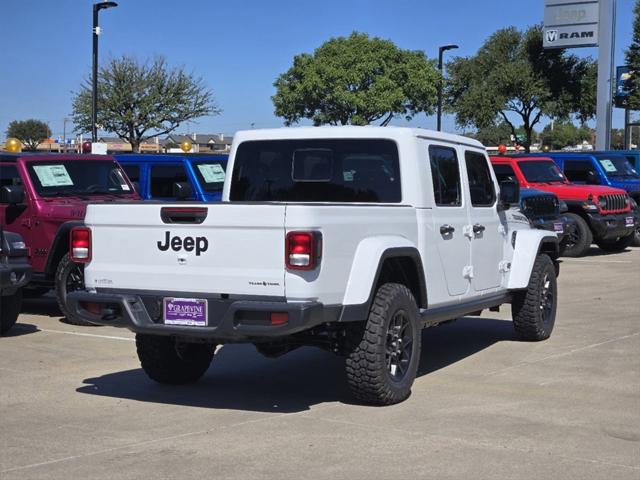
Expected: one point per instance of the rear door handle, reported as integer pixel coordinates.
(477, 228)
(446, 229)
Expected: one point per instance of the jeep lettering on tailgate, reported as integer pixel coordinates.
(201, 244)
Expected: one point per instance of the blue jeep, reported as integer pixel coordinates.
(611, 168)
(176, 177)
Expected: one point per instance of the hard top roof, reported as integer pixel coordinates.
(349, 131)
(51, 157)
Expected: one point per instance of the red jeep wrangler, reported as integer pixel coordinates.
(601, 214)
(43, 196)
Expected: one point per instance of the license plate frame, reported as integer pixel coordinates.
(189, 312)
(558, 227)
(628, 222)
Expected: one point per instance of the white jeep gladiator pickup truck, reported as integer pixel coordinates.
(351, 239)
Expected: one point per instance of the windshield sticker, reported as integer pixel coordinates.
(608, 165)
(211, 172)
(53, 175)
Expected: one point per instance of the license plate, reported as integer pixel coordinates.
(628, 222)
(185, 311)
(558, 227)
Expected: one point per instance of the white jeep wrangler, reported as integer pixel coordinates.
(351, 239)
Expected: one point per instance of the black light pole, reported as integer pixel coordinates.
(94, 96)
(441, 50)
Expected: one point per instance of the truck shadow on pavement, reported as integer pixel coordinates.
(241, 379)
(44, 305)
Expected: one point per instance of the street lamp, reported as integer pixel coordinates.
(94, 95)
(441, 50)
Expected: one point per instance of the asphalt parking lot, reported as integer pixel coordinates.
(75, 404)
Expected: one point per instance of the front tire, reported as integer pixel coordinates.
(617, 245)
(579, 239)
(167, 361)
(69, 278)
(9, 310)
(383, 360)
(534, 310)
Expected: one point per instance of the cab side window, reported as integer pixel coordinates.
(445, 173)
(481, 187)
(580, 171)
(163, 177)
(133, 172)
(9, 175)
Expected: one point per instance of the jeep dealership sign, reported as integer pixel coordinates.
(570, 23)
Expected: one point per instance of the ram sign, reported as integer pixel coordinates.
(570, 24)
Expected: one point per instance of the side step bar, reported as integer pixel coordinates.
(433, 316)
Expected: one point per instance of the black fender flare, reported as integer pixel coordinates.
(60, 243)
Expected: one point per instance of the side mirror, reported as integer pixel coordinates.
(12, 195)
(182, 190)
(509, 193)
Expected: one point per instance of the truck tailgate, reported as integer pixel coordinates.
(235, 249)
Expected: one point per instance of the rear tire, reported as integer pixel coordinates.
(69, 278)
(9, 310)
(617, 245)
(579, 239)
(166, 361)
(383, 359)
(534, 310)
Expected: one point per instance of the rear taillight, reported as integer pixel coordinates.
(302, 250)
(80, 245)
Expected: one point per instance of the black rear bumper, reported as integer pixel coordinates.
(612, 226)
(229, 319)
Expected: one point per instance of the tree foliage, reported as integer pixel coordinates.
(138, 101)
(356, 80)
(30, 132)
(501, 132)
(564, 134)
(512, 76)
(633, 61)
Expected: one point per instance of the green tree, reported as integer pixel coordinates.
(513, 76)
(564, 134)
(30, 132)
(633, 61)
(356, 80)
(139, 101)
(494, 134)
(617, 139)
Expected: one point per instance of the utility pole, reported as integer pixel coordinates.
(606, 50)
(441, 50)
(94, 91)
(64, 134)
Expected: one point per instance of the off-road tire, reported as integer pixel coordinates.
(636, 238)
(617, 245)
(579, 243)
(9, 310)
(532, 310)
(367, 367)
(167, 361)
(66, 268)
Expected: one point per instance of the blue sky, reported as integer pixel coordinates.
(238, 47)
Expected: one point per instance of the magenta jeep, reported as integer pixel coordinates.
(42, 197)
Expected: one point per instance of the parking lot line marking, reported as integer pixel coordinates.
(588, 260)
(162, 439)
(563, 354)
(80, 334)
(473, 443)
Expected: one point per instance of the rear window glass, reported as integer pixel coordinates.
(210, 174)
(320, 170)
